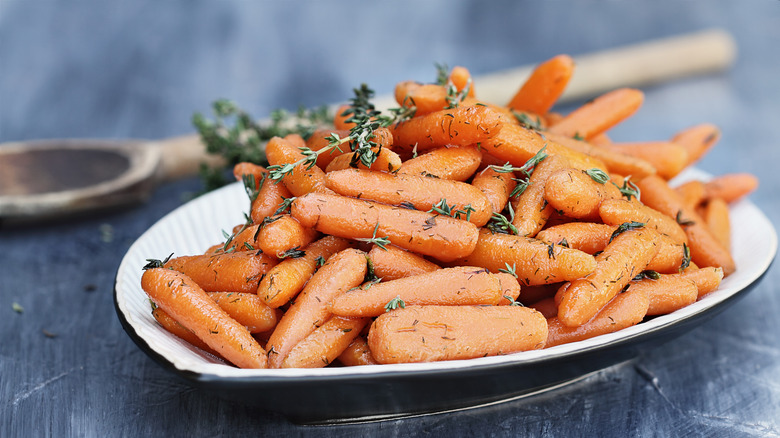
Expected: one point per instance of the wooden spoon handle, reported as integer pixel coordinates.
(182, 156)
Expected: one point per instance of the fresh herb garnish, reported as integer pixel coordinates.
(597, 175)
(625, 226)
(395, 303)
(381, 242)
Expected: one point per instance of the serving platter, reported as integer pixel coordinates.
(386, 391)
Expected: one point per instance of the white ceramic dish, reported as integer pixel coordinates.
(390, 390)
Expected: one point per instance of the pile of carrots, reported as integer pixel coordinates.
(479, 230)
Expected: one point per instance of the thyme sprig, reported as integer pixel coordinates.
(442, 208)
(381, 242)
(526, 170)
(500, 224)
(625, 226)
(629, 189)
(395, 303)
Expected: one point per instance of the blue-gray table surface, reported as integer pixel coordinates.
(139, 69)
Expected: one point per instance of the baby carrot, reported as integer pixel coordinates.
(462, 285)
(340, 119)
(285, 280)
(238, 271)
(697, 140)
(319, 140)
(187, 303)
(325, 343)
(454, 163)
(442, 237)
(577, 194)
(462, 126)
(546, 307)
(531, 209)
(270, 197)
(667, 293)
(496, 186)
(386, 161)
(588, 237)
(250, 169)
(392, 263)
(692, 193)
(357, 353)
(533, 261)
(432, 333)
(422, 193)
(626, 256)
(178, 330)
(600, 114)
(706, 279)
(461, 78)
(284, 235)
(614, 162)
(343, 271)
(426, 98)
(730, 187)
(618, 211)
(545, 85)
(625, 310)
(716, 216)
(510, 288)
(669, 159)
(247, 309)
(303, 179)
(705, 249)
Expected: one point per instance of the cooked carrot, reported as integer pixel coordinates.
(430, 234)
(697, 140)
(461, 78)
(251, 169)
(705, 249)
(340, 119)
(455, 163)
(625, 310)
(576, 194)
(426, 98)
(532, 260)
(386, 161)
(462, 126)
(531, 209)
(303, 179)
(284, 235)
(178, 330)
(600, 114)
(285, 280)
(357, 353)
(545, 85)
(716, 216)
(670, 256)
(510, 288)
(667, 293)
(730, 187)
(626, 256)
(615, 162)
(601, 140)
(181, 298)
(392, 263)
(463, 285)
(618, 211)
(692, 193)
(238, 271)
(432, 333)
(588, 237)
(270, 197)
(343, 271)
(546, 307)
(421, 193)
(706, 279)
(496, 186)
(248, 309)
(325, 343)
(319, 140)
(669, 159)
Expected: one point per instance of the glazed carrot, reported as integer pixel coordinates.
(432, 333)
(730, 187)
(576, 194)
(626, 256)
(716, 216)
(284, 235)
(692, 193)
(238, 271)
(669, 159)
(667, 293)
(601, 140)
(357, 353)
(181, 298)
(496, 186)
(285, 280)
(669, 258)
(462, 126)
(303, 179)
(588, 237)
(463, 285)
(531, 209)
(340, 119)
(251, 169)
(546, 307)
(455, 163)
(510, 288)
(419, 192)
(386, 161)
(341, 272)
(318, 140)
(392, 263)
(461, 78)
(430, 234)
(178, 330)
(697, 140)
(545, 85)
(600, 114)
(706, 279)
(615, 162)
(325, 343)
(247, 309)
(426, 98)
(625, 310)
(705, 249)
(532, 260)
(270, 197)
(618, 211)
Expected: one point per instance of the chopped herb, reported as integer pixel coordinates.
(683, 222)
(511, 270)
(395, 303)
(500, 224)
(578, 136)
(551, 251)
(686, 261)
(292, 253)
(526, 121)
(564, 243)
(284, 205)
(381, 242)
(597, 175)
(649, 274)
(625, 226)
(512, 301)
(155, 263)
(250, 186)
(319, 261)
(628, 189)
